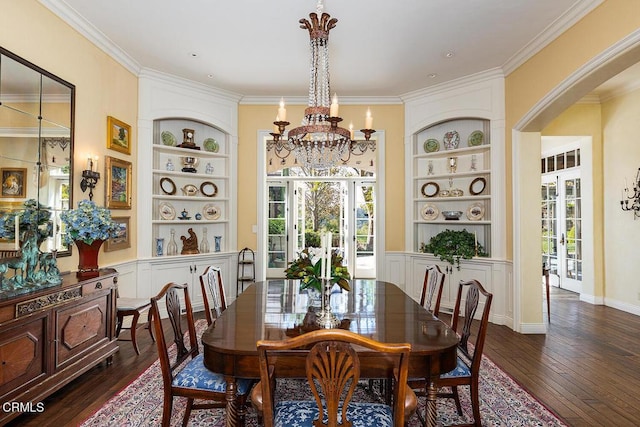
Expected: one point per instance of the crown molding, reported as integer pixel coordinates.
(69, 15)
(578, 11)
(182, 83)
(302, 100)
(480, 77)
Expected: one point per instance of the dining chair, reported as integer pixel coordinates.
(213, 293)
(432, 287)
(470, 347)
(132, 307)
(333, 371)
(186, 374)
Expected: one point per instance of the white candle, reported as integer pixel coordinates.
(351, 131)
(16, 232)
(54, 232)
(276, 129)
(368, 121)
(282, 112)
(333, 111)
(95, 164)
(89, 163)
(328, 256)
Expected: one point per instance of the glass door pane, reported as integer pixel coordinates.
(365, 266)
(573, 226)
(549, 227)
(277, 230)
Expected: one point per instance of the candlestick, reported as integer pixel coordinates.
(368, 121)
(333, 111)
(16, 223)
(95, 164)
(89, 163)
(351, 131)
(282, 112)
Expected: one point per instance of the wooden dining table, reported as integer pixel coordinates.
(278, 309)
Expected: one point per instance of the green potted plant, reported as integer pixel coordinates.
(452, 245)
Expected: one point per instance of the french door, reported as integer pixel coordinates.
(562, 228)
(299, 210)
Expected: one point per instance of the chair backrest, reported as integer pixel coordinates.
(432, 286)
(184, 348)
(464, 329)
(334, 365)
(213, 293)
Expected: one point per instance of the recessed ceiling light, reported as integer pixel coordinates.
(193, 54)
(432, 75)
(449, 54)
(210, 76)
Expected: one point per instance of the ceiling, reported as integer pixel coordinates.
(255, 48)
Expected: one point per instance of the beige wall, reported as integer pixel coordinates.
(527, 86)
(103, 87)
(390, 118)
(621, 158)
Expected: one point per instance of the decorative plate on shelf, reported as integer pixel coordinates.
(208, 189)
(477, 186)
(430, 189)
(431, 145)
(476, 138)
(429, 212)
(211, 144)
(211, 211)
(167, 211)
(475, 211)
(167, 186)
(168, 138)
(451, 140)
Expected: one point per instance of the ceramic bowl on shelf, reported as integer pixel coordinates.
(451, 215)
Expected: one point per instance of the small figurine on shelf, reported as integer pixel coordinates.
(190, 244)
(209, 169)
(170, 166)
(172, 247)
(184, 214)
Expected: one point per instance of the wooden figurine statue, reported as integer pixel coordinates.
(189, 244)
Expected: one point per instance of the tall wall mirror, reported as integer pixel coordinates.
(36, 146)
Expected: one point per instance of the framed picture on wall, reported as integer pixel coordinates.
(118, 135)
(122, 239)
(14, 182)
(118, 182)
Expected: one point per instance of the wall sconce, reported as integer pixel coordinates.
(90, 176)
(635, 198)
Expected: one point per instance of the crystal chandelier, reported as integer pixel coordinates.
(319, 142)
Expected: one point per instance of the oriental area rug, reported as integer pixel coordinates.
(502, 403)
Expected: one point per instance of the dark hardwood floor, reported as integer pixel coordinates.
(586, 369)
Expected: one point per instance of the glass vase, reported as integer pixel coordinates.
(172, 247)
(204, 244)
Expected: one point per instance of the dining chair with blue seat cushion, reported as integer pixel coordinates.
(333, 370)
(183, 370)
(472, 336)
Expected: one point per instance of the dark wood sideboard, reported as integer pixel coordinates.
(50, 337)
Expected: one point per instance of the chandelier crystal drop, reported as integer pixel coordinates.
(319, 142)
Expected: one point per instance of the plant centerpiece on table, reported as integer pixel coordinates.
(308, 269)
(88, 227)
(452, 245)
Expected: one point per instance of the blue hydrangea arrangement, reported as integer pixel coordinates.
(87, 223)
